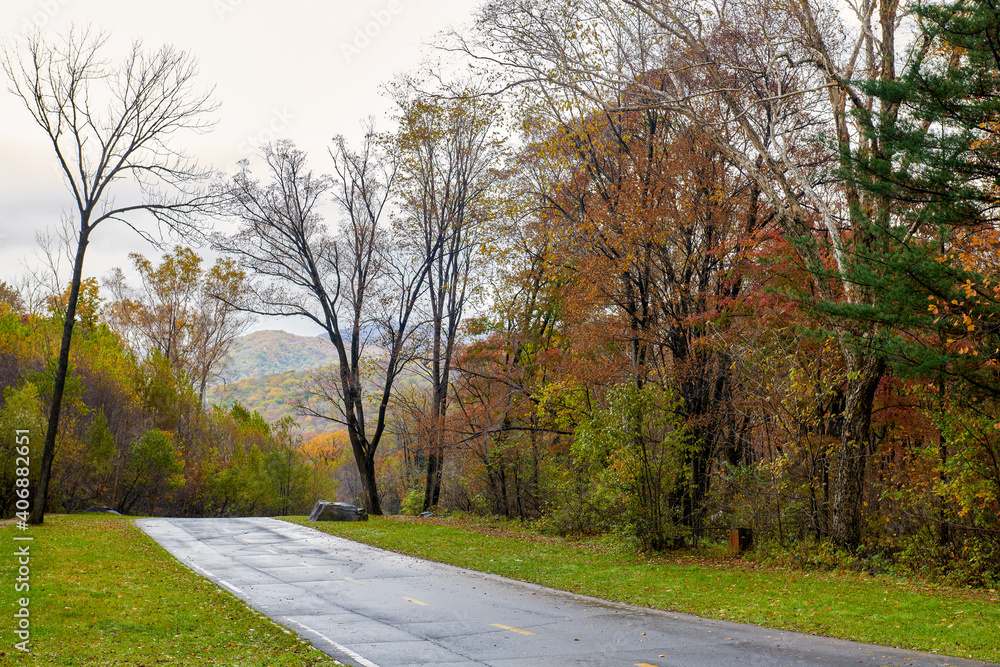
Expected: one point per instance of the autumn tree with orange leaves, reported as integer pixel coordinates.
(656, 225)
(769, 85)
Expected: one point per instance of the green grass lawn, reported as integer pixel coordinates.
(881, 609)
(103, 593)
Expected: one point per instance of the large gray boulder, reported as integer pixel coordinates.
(326, 511)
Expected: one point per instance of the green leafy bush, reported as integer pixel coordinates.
(640, 453)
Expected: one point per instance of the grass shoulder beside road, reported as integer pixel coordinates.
(104, 593)
(882, 609)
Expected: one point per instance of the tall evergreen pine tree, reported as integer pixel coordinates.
(935, 265)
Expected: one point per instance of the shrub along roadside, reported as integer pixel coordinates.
(882, 610)
(104, 593)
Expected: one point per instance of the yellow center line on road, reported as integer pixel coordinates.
(273, 551)
(644, 664)
(307, 564)
(507, 627)
(357, 581)
(416, 601)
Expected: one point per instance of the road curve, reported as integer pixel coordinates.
(375, 608)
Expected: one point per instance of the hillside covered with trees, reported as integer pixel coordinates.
(261, 353)
(275, 397)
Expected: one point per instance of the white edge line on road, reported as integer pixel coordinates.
(230, 586)
(212, 576)
(351, 654)
(202, 570)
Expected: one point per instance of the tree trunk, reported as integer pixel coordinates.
(852, 456)
(432, 490)
(59, 384)
(366, 471)
(370, 488)
(439, 380)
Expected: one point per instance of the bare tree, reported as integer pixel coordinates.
(449, 154)
(346, 282)
(44, 275)
(110, 126)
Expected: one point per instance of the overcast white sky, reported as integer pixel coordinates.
(280, 69)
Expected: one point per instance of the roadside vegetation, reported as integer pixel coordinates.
(820, 596)
(103, 593)
(135, 435)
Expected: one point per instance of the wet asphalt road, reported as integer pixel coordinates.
(374, 608)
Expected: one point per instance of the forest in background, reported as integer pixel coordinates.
(657, 271)
(135, 436)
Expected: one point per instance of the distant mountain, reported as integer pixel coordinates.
(271, 371)
(264, 353)
(274, 397)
